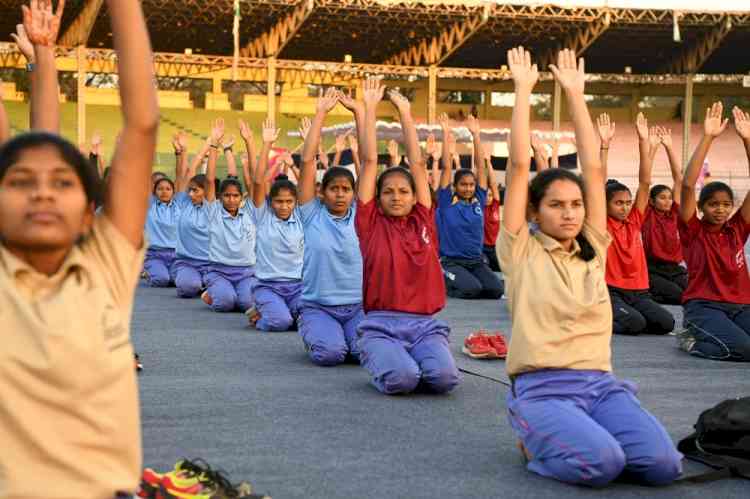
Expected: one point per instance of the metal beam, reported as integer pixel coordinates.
(691, 59)
(436, 50)
(80, 29)
(273, 41)
(580, 39)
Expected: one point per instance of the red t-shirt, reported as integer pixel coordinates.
(400, 260)
(626, 260)
(717, 269)
(491, 222)
(661, 238)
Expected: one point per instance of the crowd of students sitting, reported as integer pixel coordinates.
(360, 264)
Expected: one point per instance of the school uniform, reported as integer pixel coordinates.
(161, 234)
(491, 231)
(230, 276)
(331, 301)
(401, 343)
(70, 424)
(634, 310)
(577, 422)
(191, 254)
(461, 232)
(278, 269)
(717, 299)
(661, 242)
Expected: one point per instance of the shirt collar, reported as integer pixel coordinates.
(456, 200)
(551, 244)
(15, 267)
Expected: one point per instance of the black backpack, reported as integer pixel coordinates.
(721, 441)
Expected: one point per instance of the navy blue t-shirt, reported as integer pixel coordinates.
(461, 224)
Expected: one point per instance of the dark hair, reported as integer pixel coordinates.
(461, 173)
(282, 183)
(155, 176)
(658, 189)
(538, 189)
(614, 186)
(712, 188)
(336, 172)
(70, 154)
(200, 180)
(229, 182)
(396, 170)
(162, 179)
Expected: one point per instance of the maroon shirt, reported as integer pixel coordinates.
(491, 222)
(400, 261)
(717, 269)
(661, 238)
(626, 260)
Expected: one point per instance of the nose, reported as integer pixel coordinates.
(42, 191)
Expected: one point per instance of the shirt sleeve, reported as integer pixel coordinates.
(182, 200)
(364, 218)
(512, 249)
(256, 214)
(118, 263)
(444, 196)
(688, 230)
(481, 196)
(600, 241)
(213, 210)
(308, 210)
(636, 217)
(742, 226)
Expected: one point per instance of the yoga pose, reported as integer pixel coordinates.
(401, 344)
(575, 420)
(70, 419)
(717, 299)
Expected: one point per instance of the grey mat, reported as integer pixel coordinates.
(251, 403)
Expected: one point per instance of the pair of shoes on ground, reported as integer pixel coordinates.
(253, 316)
(481, 345)
(685, 340)
(192, 479)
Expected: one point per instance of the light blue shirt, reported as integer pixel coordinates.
(280, 244)
(231, 239)
(332, 268)
(161, 223)
(192, 228)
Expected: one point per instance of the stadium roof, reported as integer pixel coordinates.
(472, 33)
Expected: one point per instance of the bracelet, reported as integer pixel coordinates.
(605, 148)
(227, 149)
(214, 146)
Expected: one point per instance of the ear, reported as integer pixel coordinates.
(89, 215)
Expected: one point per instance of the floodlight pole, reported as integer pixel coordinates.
(432, 96)
(557, 107)
(81, 90)
(687, 118)
(271, 91)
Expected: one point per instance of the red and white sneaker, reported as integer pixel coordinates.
(477, 346)
(498, 344)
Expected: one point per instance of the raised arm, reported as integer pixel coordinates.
(393, 153)
(646, 167)
(372, 94)
(525, 76)
(713, 126)
(199, 158)
(250, 155)
(42, 25)
(96, 151)
(674, 163)
(270, 135)
(4, 122)
(606, 129)
(358, 110)
(447, 173)
(217, 133)
(742, 125)
(180, 154)
(474, 127)
(306, 186)
(340, 146)
(572, 79)
(555, 159)
(491, 180)
(417, 164)
(227, 145)
(129, 188)
(354, 147)
(540, 153)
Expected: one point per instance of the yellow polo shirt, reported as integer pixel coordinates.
(69, 414)
(559, 305)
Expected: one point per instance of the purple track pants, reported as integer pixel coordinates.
(330, 332)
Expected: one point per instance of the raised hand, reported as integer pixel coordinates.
(372, 91)
(348, 101)
(304, 127)
(430, 146)
(217, 132)
(245, 131)
(525, 74)
(536, 142)
(182, 141)
(327, 100)
(487, 152)
(741, 123)
(398, 100)
(473, 125)
(715, 123)
(270, 132)
(228, 142)
(569, 73)
(654, 137)
(666, 136)
(451, 139)
(341, 142)
(96, 142)
(175, 144)
(23, 43)
(641, 126)
(353, 144)
(606, 129)
(556, 143)
(323, 157)
(393, 149)
(42, 24)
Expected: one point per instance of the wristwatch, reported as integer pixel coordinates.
(30, 66)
